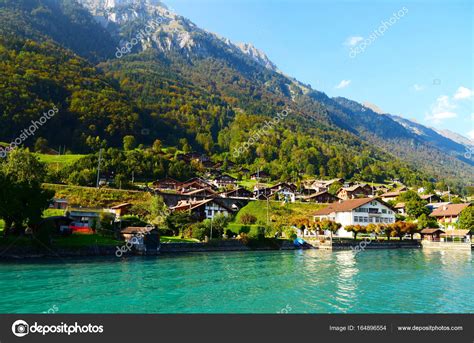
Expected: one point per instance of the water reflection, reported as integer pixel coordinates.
(346, 284)
(415, 280)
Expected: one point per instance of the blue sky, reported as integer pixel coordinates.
(421, 67)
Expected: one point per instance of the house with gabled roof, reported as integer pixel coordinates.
(259, 175)
(194, 184)
(224, 180)
(323, 197)
(203, 209)
(120, 209)
(59, 204)
(283, 185)
(362, 211)
(220, 165)
(238, 193)
(448, 215)
(202, 192)
(167, 183)
(400, 207)
(430, 198)
(392, 195)
(356, 191)
(323, 185)
(284, 194)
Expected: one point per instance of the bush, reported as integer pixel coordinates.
(259, 233)
(244, 229)
(104, 226)
(44, 234)
(199, 231)
(290, 233)
(244, 238)
(248, 218)
(130, 220)
(273, 230)
(163, 231)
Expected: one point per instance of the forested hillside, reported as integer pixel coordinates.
(200, 93)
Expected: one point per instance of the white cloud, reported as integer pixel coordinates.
(353, 40)
(417, 88)
(343, 84)
(463, 93)
(441, 110)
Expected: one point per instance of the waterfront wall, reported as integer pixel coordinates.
(349, 245)
(231, 245)
(167, 248)
(32, 252)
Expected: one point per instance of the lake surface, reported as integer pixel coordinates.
(311, 281)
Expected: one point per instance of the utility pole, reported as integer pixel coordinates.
(267, 211)
(211, 226)
(98, 167)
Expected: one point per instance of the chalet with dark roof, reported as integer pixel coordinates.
(203, 209)
(224, 180)
(259, 175)
(323, 197)
(194, 184)
(167, 183)
(239, 193)
(356, 191)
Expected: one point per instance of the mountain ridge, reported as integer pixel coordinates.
(191, 62)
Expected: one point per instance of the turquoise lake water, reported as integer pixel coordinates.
(311, 281)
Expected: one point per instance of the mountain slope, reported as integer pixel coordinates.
(63, 21)
(455, 137)
(181, 82)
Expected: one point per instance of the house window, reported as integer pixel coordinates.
(209, 213)
(356, 219)
(366, 219)
(384, 210)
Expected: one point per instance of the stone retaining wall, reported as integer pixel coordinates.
(230, 245)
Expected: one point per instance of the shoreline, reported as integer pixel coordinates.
(20, 253)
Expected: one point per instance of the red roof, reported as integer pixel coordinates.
(451, 210)
(347, 205)
(394, 193)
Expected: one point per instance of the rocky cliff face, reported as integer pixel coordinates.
(175, 33)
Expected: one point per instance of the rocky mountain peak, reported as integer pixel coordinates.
(174, 32)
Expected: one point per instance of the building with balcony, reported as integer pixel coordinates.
(357, 212)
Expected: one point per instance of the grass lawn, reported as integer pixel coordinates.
(58, 161)
(73, 241)
(249, 184)
(93, 197)
(52, 212)
(177, 239)
(277, 208)
(81, 240)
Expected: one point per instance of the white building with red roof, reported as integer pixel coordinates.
(361, 211)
